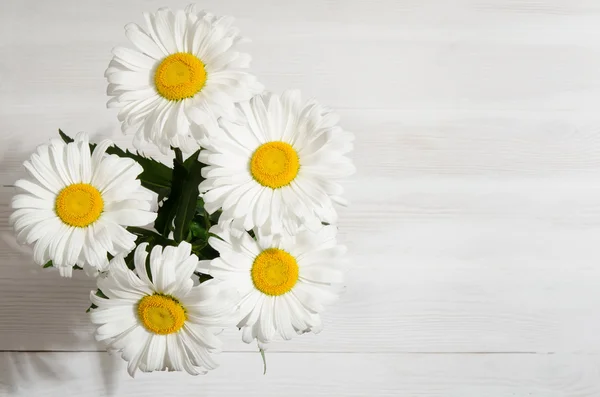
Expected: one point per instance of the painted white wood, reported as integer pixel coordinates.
(309, 374)
(475, 211)
(454, 268)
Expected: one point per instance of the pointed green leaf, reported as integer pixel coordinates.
(65, 137)
(203, 277)
(206, 253)
(188, 200)
(177, 212)
(156, 175)
(166, 213)
(101, 295)
(212, 219)
(150, 237)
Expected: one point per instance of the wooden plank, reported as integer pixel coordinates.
(475, 206)
(474, 218)
(99, 375)
(441, 265)
(395, 55)
(412, 74)
(409, 144)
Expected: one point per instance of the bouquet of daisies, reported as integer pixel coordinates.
(238, 232)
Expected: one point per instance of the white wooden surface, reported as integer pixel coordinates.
(475, 220)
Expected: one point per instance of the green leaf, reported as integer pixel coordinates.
(212, 219)
(179, 209)
(178, 154)
(186, 210)
(129, 260)
(207, 252)
(200, 231)
(200, 206)
(101, 295)
(197, 230)
(199, 236)
(146, 236)
(50, 264)
(166, 213)
(203, 277)
(150, 237)
(65, 137)
(156, 175)
(148, 267)
(190, 160)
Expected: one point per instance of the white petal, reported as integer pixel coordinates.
(131, 217)
(43, 175)
(164, 29)
(139, 261)
(130, 78)
(143, 42)
(266, 326)
(155, 355)
(156, 261)
(262, 208)
(28, 201)
(57, 159)
(320, 274)
(179, 31)
(134, 57)
(36, 190)
(99, 153)
(135, 361)
(282, 318)
(73, 162)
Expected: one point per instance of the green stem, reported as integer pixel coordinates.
(178, 155)
(262, 354)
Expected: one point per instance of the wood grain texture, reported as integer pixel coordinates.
(309, 374)
(475, 211)
(475, 276)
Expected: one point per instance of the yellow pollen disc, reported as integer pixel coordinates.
(274, 164)
(161, 314)
(79, 205)
(274, 272)
(179, 76)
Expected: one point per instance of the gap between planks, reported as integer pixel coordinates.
(407, 353)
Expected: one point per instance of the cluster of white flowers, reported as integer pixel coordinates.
(241, 232)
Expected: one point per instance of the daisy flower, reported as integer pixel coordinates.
(155, 316)
(76, 205)
(280, 168)
(185, 71)
(284, 281)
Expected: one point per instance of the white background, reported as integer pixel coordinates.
(474, 227)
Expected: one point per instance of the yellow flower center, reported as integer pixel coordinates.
(274, 272)
(274, 164)
(179, 76)
(161, 314)
(79, 205)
